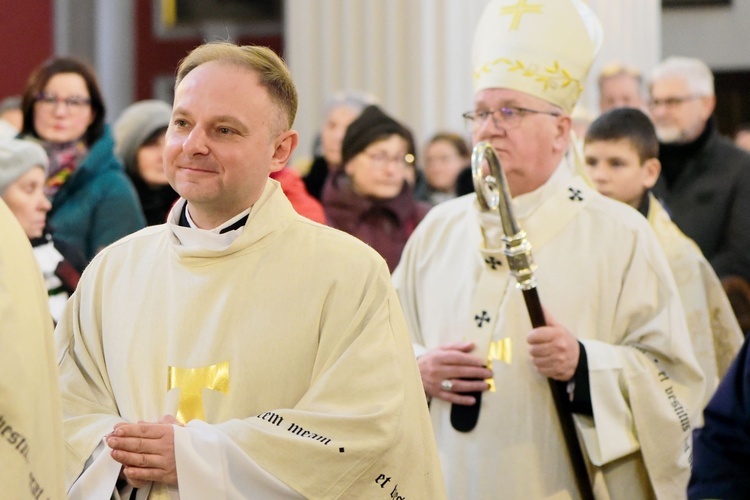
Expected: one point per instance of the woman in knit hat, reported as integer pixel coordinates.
(139, 142)
(23, 171)
(369, 197)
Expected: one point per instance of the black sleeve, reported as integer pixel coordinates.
(581, 401)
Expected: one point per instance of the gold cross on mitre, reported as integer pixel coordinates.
(500, 350)
(519, 10)
(191, 382)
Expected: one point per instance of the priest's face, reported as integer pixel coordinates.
(529, 135)
(225, 137)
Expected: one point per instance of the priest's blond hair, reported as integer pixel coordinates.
(272, 72)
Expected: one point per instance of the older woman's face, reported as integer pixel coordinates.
(26, 199)
(332, 134)
(62, 111)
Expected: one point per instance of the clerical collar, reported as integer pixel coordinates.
(218, 238)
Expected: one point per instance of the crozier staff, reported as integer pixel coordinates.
(616, 335)
(492, 195)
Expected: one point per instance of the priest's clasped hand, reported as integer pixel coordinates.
(453, 362)
(554, 350)
(146, 451)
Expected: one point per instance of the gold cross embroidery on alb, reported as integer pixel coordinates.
(191, 382)
(500, 350)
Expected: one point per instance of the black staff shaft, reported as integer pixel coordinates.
(560, 397)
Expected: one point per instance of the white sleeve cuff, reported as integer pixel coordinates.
(99, 478)
(210, 465)
(419, 349)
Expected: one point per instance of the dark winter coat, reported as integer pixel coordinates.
(385, 225)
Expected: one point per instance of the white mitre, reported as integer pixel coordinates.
(543, 48)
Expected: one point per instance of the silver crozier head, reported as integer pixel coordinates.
(492, 194)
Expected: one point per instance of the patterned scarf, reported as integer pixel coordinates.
(64, 159)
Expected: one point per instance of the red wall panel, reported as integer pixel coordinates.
(25, 41)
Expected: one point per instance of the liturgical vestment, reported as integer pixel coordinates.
(714, 330)
(31, 451)
(602, 275)
(286, 353)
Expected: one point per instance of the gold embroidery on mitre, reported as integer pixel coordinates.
(518, 10)
(552, 77)
(500, 350)
(191, 382)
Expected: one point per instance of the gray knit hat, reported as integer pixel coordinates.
(18, 156)
(135, 125)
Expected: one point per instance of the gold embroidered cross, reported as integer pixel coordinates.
(191, 382)
(500, 350)
(519, 10)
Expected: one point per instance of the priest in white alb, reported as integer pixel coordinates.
(31, 448)
(616, 339)
(240, 350)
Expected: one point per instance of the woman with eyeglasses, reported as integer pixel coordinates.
(93, 202)
(369, 197)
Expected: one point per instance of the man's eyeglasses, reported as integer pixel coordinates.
(381, 160)
(510, 116)
(672, 102)
(73, 103)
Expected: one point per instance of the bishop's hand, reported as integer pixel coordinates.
(444, 371)
(554, 350)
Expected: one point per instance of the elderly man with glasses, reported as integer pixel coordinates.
(615, 343)
(705, 179)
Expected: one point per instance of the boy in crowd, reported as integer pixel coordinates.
(621, 150)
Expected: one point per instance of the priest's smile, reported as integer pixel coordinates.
(197, 170)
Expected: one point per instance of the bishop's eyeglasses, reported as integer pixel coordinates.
(508, 116)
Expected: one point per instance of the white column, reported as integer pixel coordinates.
(415, 55)
(115, 53)
(73, 22)
(61, 20)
